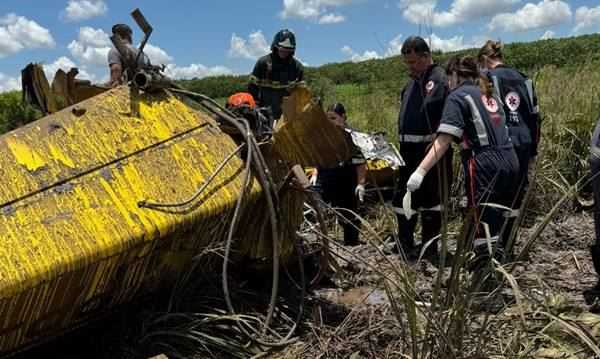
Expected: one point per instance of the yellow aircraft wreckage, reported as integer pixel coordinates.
(99, 205)
(112, 197)
(115, 191)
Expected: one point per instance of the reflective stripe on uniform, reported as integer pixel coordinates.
(438, 208)
(478, 122)
(496, 83)
(450, 130)
(595, 151)
(273, 84)
(529, 85)
(416, 138)
(484, 241)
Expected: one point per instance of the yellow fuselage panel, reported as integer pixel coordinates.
(73, 238)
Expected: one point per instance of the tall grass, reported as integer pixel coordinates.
(450, 323)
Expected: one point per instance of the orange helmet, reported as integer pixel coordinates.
(241, 99)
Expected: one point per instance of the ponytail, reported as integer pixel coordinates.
(485, 85)
(466, 68)
(491, 50)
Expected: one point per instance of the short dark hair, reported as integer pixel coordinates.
(338, 108)
(121, 29)
(415, 44)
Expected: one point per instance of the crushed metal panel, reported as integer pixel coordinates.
(73, 238)
(305, 136)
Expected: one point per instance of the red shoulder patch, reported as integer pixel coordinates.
(490, 104)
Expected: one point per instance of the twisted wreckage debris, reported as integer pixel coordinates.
(111, 197)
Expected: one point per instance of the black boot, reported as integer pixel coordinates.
(406, 237)
(431, 223)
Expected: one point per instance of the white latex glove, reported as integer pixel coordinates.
(360, 192)
(313, 179)
(407, 205)
(415, 180)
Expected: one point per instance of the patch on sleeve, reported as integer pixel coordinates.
(490, 104)
(513, 100)
(429, 86)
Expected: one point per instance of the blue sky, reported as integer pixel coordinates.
(200, 38)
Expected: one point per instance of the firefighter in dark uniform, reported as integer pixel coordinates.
(274, 73)
(518, 98)
(422, 101)
(474, 117)
(344, 186)
(593, 294)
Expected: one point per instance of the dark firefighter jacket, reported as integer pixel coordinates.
(271, 78)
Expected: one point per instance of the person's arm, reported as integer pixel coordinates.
(116, 73)
(437, 151)
(361, 180)
(436, 90)
(253, 86)
(115, 67)
(361, 174)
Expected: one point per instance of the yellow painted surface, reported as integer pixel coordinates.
(73, 239)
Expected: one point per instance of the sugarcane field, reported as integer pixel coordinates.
(320, 179)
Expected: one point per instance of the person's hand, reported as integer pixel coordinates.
(360, 192)
(415, 180)
(313, 177)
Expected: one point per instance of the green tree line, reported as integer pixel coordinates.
(377, 76)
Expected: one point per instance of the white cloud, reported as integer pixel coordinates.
(465, 10)
(314, 10)
(331, 19)
(418, 11)
(548, 35)
(546, 13)
(356, 57)
(254, 47)
(195, 71)
(64, 63)
(425, 12)
(91, 47)
(18, 33)
(157, 55)
(8, 83)
(394, 46)
(78, 10)
(447, 45)
(586, 18)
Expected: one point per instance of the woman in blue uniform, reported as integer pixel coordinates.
(519, 101)
(344, 185)
(473, 117)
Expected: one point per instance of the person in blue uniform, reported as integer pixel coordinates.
(474, 117)
(422, 101)
(519, 101)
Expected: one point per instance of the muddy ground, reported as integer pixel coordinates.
(350, 316)
(552, 279)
